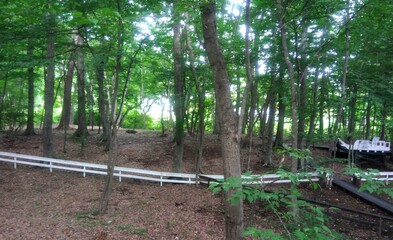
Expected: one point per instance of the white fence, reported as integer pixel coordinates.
(100, 169)
(383, 176)
(133, 173)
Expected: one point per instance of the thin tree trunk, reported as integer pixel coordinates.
(248, 69)
(263, 117)
(66, 111)
(90, 98)
(200, 89)
(302, 75)
(294, 104)
(270, 129)
(352, 110)
(314, 107)
(102, 104)
(2, 97)
(229, 138)
(113, 145)
(344, 75)
(321, 105)
(47, 136)
(81, 131)
(30, 78)
(281, 117)
(291, 75)
(368, 118)
(383, 120)
(253, 104)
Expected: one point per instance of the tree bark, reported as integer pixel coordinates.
(66, 111)
(321, 104)
(102, 99)
(200, 90)
(47, 136)
(302, 76)
(229, 138)
(113, 145)
(30, 78)
(248, 69)
(344, 75)
(291, 75)
(179, 97)
(81, 131)
(270, 128)
(384, 114)
(368, 118)
(352, 110)
(314, 107)
(281, 117)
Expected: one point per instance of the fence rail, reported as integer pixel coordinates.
(133, 173)
(99, 169)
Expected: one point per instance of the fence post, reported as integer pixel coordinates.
(15, 162)
(84, 171)
(50, 167)
(120, 176)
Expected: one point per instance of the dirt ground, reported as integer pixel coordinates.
(37, 204)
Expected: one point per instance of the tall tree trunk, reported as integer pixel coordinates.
(321, 105)
(2, 97)
(200, 90)
(270, 114)
(302, 77)
(270, 128)
(102, 102)
(314, 107)
(263, 117)
(384, 114)
(352, 110)
(248, 69)
(253, 93)
(90, 98)
(47, 136)
(113, 145)
(179, 97)
(281, 117)
(368, 118)
(81, 131)
(30, 78)
(229, 138)
(344, 75)
(66, 111)
(291, 75)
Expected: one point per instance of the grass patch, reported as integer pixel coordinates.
(92, 214)
(131, 229)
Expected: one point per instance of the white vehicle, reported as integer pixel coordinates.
(365, 146)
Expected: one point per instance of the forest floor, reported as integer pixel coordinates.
(37, 204)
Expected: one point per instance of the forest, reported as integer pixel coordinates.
(279, 72)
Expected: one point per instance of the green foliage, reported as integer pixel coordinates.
(371, 184)
(265, 234)
(136, 120)
(306, 222)
(301, 154)
(12, 119)
(309, 223)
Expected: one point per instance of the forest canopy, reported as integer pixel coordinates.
(340, 53)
